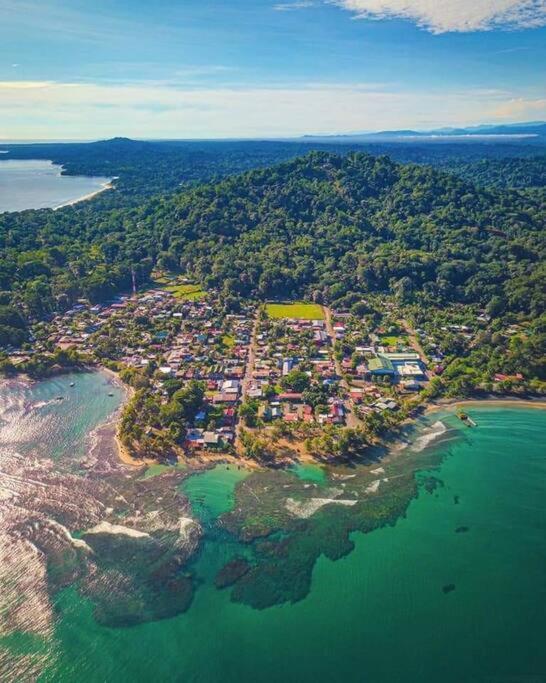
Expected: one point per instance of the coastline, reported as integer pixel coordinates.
(502, 401)
(394, 441)
(105, 186)
(123, 454)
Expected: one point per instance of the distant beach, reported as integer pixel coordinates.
(106, 186)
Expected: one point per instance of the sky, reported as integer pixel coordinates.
(75, 69)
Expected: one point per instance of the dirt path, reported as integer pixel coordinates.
(414, 340)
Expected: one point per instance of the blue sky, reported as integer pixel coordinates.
(71, 69)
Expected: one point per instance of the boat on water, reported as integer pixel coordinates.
(72, 384)
(60, 398)
(464, 417)
(110, 393)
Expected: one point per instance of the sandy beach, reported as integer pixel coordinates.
(105, 186)
(500, 402)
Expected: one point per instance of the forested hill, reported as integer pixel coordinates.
(143, 169)
(324, 226)
(321, 226)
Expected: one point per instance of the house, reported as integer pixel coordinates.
(223, 397)
(308, 414)
(287, 365)
(211, 440)
(499, 377)
(290, 396)
(194, 438)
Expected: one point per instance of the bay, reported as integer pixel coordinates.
(38, 184)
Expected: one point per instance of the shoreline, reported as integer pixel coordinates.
(501, 401)
(391, 443)
(123, 454)
(105, 186)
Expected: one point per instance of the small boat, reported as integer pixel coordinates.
(59, 398)
(110, 393)
(72, 384)
(469, 422)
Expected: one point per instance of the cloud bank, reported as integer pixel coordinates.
(40, 110)
(442, 16)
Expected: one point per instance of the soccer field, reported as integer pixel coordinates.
(297, 310)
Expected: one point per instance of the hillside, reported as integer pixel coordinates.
(322, 226)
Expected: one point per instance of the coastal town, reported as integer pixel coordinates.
(271, 382)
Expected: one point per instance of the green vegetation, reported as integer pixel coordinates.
(186, 291)
(299, 310)
(321, 228)
(166, 423)
(393, 340)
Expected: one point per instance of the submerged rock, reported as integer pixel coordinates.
(231, 572)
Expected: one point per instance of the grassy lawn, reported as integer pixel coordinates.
(186, 291)
(394, 340)
(298, 310)
(173, 282)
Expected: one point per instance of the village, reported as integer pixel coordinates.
(285, 371)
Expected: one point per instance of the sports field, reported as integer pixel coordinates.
(297, 310)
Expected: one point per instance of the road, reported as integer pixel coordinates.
(414, 340)
(247, 378)
(250, 360)
(351, 419)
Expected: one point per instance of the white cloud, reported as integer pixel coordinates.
(291, 6)
(43, 109)
(519, 108)
(441, 16)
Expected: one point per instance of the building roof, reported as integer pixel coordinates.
(380, 363)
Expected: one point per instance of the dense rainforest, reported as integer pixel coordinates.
(323, 226)
(145, 168)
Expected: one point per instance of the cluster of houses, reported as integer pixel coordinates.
(189, 340)
(184, 339)
(284, 346)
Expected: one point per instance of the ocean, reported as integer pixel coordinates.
(38, 184)
(449, 588)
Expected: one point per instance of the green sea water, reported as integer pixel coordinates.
(455, 591)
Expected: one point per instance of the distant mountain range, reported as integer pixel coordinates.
(533, 131)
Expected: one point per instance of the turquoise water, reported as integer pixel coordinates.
(313, 473)
(37, 184)
(53, 418)
(454, 591)
(211, 493)
(381, 613)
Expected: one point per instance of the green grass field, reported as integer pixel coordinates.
(186, 291)
(393, 340)
(298, 310)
